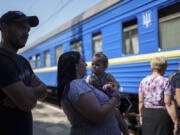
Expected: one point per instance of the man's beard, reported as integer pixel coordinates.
(16, 45)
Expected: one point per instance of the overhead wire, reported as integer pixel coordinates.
(53, 15)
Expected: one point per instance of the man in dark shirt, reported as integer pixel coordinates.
(176, 84)
(19, 87)
(175, 81)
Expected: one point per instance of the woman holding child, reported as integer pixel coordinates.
(89, 110)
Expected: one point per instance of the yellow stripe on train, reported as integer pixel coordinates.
(124, 60)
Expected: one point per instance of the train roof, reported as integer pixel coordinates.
(83, 16)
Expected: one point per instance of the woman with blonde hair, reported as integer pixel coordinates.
(156, 105)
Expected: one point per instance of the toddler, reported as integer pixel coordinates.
(99, 78)
(105, 82)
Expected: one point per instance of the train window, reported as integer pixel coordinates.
(169, 24)
(38, 62)
(31, 62)
(97, 43)
(59, 52)
(76, 46)
(47, 59)
(130, 37)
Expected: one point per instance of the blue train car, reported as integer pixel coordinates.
(129, 32)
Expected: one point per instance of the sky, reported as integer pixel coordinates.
(51, 13)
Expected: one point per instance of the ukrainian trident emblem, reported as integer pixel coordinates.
(147, 19)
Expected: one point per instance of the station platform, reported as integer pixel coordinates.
(49, 120)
